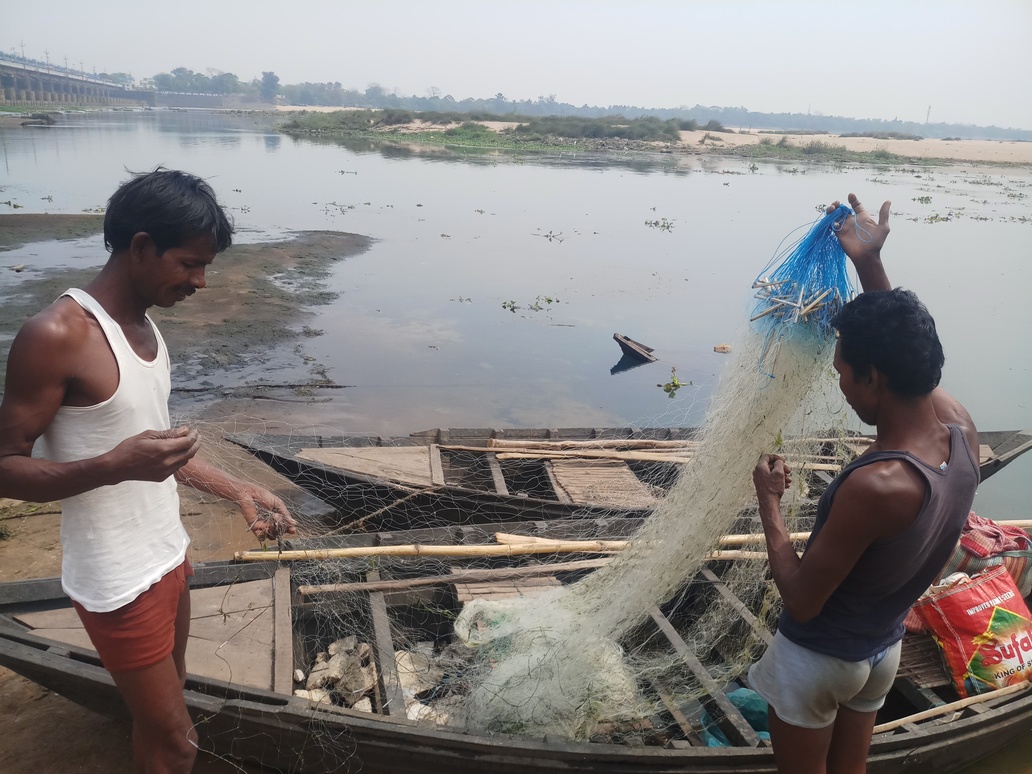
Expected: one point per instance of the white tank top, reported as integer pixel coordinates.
(117, 540)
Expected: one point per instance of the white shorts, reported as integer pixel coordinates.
(806, 688)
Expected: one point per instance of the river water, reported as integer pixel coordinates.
(497, 280)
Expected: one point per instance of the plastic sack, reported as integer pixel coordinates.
(984, 629)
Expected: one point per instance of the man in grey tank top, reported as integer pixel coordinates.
(885, 527)
(89, 378)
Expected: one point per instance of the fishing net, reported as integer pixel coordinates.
(627, 619)
(803, 286)
(620, 623)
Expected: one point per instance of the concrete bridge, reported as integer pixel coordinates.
(28, 83)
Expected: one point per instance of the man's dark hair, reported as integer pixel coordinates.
(172, 206)
(892, 331)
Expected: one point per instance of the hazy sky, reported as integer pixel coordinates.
(968, 61)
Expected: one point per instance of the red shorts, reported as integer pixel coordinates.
(142, 632)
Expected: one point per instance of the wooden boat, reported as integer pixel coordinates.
(440, 477)
(253, 625)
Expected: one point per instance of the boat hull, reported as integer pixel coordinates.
(289, 734)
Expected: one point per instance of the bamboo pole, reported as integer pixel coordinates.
(454, 551)
(945, 709)
(801, 461)
(668, 452)
(530, 453)
(630, 456)
(457, 575)
(599, 443)
(518, 545)
(725, 540)
(807, 465)
(506, 538)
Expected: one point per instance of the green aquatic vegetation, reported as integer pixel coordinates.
(671, 387)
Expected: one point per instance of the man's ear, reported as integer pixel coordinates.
(141, 245)
(875, 379)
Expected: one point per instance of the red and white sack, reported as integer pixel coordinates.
(984, 629)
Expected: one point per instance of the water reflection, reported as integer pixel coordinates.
(626, 363)
(637, 162)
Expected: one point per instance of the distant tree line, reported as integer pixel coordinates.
(186, 81)
(333, 94)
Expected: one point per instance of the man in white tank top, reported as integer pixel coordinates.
(88, 377)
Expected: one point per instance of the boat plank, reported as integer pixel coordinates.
(497, 478)
(747, 615)
(67, 636)
(245, 658)
(458, 573)
(921, 662)
(725, 714)
(386, 659)
(510, 589)
(62, 618)
(282, 632)
(407, 464)
(602, 481)
(553, 481)
(244, 599)
(230, 632)
(436, 467)
(675, 711)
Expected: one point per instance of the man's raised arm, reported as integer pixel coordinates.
(862, 238)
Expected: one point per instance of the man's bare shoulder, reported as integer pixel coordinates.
(950, 411)
(64, 323)
(889, 493)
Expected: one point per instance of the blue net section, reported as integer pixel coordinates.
(802, 288)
